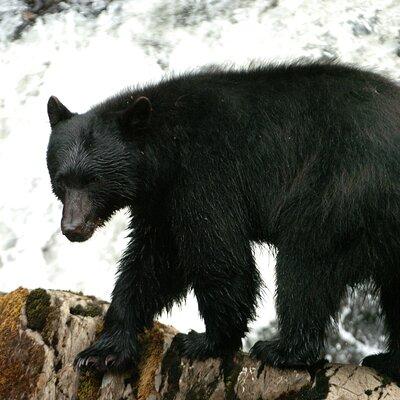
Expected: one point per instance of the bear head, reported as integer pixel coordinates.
(94, 163)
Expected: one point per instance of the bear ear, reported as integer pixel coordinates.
(136, 114)
(57, 111)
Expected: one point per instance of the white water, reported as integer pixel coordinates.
(82, 59)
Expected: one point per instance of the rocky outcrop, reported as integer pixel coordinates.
(42, 331)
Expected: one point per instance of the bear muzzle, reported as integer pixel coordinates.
(77, 224)
(76, 233)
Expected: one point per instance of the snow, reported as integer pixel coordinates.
(83, 57)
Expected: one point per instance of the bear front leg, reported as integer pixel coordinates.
(308, 294)
(117, 348)
(226, 284)
(148, 282)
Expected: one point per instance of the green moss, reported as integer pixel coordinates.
(197, 393)
(231, 373)
(386, 381)
(49, 331)
(89, 385)
(37, 309)
(80, 293)
(91, 310)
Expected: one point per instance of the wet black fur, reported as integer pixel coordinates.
(305, 158)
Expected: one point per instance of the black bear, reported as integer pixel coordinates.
(304, 157)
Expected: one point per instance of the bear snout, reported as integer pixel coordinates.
(76, 233)
(75, 224)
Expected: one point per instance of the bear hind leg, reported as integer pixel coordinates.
(308, 296)
(226, 296)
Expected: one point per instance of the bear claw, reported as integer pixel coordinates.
(271, 352)
(112, 353)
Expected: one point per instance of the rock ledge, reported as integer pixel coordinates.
(42, 331)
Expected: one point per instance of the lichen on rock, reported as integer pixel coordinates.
(21, 359)
(38, 364)
(152, 342)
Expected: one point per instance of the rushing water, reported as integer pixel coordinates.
(84, 51)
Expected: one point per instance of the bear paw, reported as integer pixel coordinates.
(197, 346)
(274, 354)
(116, 352)
(385, 363)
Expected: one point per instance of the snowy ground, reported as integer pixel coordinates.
(83, 57)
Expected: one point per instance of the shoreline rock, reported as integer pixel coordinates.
(41, 331)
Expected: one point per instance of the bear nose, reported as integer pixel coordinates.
(75, 214)
(74, 232)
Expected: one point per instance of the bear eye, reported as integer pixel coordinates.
(97, 179)
(88, 180)
(59, 182)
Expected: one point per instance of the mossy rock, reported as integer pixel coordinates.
(91, 310)
(152, 343)
(231, 373)
(37, 309)
(49, 332)
(19, 370)
(89, 385)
